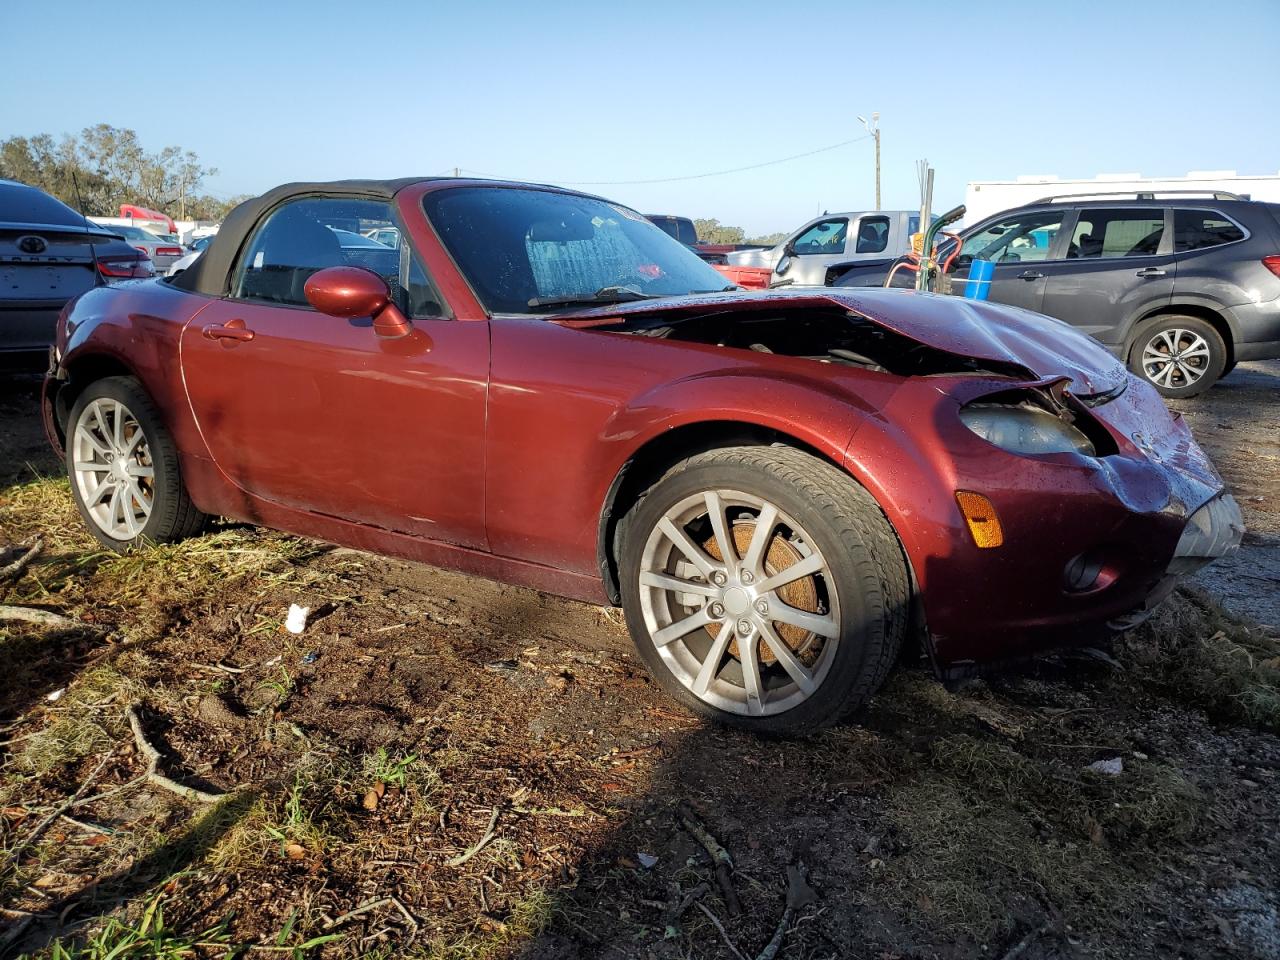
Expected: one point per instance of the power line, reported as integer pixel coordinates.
(695, 176)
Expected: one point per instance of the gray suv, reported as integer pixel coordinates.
(1180, 287)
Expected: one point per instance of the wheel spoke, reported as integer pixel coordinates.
(711, 665)
(765, 522)
(143, 503)
(117, 427)
(692, 551)
(85, 434)
(133, 442)
(139, 470)
(720, 527)
(796, 670)
(664, 581)
(801, 568)
(680, 628)
(748, 656)
(824, 625)
(103, 432)
(90, 466)
(94, 498)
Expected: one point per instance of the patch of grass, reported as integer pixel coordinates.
(151, 938)
(528, 917)
(1194, 652)
(85, 721)
(392, 771)
(43, 506)
(300, 823)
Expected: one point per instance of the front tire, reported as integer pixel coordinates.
(1180, 356)
(763, 588)
(123, 466)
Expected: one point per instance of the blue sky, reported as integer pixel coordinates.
(571, 92)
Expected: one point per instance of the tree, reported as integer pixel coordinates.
(713, 231)
(769, 239)
(106, 166)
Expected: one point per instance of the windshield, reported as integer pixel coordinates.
(518, 245)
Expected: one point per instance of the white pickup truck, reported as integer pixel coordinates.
(857, 248)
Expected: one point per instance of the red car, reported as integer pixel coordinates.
(541, 387)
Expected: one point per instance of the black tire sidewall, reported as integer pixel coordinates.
(1217, 354)
(167, 484)
(861, 628)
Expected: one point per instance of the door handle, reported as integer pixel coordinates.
(1031, 275)
(1151, 272)
(231, 330)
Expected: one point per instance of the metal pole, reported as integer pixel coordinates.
(875, 118)
(926, 206)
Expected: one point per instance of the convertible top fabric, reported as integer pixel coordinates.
(211, 273)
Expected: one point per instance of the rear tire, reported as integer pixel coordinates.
(706, 620)
(1180, 356)
(123, 466)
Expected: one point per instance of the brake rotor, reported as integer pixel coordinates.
(801, 594)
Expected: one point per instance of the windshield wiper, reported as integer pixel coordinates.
(603, 295)
(729, 289)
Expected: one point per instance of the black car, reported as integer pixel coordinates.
(1180, 287)
(49, 254)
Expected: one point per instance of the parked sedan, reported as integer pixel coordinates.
(49, 254)
(777, 487)
(163, 253)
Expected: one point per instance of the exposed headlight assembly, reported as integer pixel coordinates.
(1025, 429)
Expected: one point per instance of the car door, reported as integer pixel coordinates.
(1118, 264)
(318, 413)
(816, 247)
(1018, 245)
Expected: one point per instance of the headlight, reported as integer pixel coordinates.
(1026, 430)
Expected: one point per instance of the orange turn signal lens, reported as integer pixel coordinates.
(984, 525)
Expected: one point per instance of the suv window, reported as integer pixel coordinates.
(1027, 236)
(873, 235)
(1116, 233)
(825, 237)
(1197, 229)
(304, 236)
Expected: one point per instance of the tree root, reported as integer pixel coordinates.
(13, 570)
(153, 774)
(45, 618)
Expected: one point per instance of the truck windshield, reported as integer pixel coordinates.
(531, 251)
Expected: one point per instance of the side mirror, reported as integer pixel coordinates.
(351, 292)
(783, 265)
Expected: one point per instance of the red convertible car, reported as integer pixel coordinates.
(541, 387)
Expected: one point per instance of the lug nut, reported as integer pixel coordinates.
(717, 610)
(719, 579)
(762, 606)
(746, 576)
(744, 627)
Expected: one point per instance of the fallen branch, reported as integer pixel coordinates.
(11, 571)
(363, 908)
(1019, 948)
(153, 764)
(480, 844)
(719, 857)
(694, 895)
(44, 824)
(799, 895)
(723, 932)
(45, 618)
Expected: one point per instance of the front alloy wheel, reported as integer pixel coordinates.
(763, 587)
(1179, 356)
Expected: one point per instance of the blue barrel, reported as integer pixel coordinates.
(979, 283)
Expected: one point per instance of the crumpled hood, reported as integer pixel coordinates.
(1045, 347)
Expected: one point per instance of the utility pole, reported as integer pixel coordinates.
(873, 128)
(457, 172)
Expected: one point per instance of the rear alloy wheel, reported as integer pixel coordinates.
(1179, 356)
(764, 588)
(123, 467)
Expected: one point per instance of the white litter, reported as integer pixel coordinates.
(647, 860)
(296, 621)
(1112, 768)
(56, 695)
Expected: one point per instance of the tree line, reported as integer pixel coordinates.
(104, 166)
(713, 231)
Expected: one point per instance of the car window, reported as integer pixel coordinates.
(1116, 233)
(873, 235)
(825, 237)
(685, 231)
(1197, 229)
(1026, 237)
(304, 236)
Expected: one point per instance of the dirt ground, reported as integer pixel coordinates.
(444, 767)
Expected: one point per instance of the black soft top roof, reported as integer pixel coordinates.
(211, 272)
